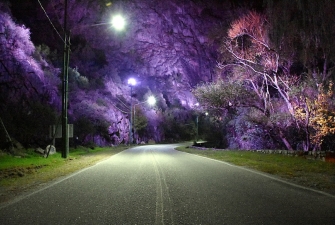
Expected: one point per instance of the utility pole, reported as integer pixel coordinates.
(197, 137)
(66, 58)
(131, 116)
(131, 83)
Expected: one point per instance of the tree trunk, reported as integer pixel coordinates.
(286, 143)
(8, 139)
(307, 133)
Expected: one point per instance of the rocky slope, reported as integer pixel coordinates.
(168, 46)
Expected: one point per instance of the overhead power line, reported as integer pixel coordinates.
(50, 21)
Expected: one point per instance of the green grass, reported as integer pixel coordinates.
(31, 158)
(31, 169)
(310, 173)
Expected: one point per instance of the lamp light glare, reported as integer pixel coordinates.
(151, 100)
(118, 22)
(131, 82)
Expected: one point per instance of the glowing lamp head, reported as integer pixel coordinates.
(131, 82)
(118, 22)
(151, 100)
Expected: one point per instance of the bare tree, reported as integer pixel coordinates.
(249, 45)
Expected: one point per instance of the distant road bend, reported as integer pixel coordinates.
(156, 184)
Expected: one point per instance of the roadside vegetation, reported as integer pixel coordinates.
(30, 169)
(309, 173)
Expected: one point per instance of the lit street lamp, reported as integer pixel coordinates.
(118, 23)
(197, 120)
(197, 137)
(151, 100)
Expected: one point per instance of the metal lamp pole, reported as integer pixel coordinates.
(197, 137)
(118, 23)
(131, 116)
(131, 83)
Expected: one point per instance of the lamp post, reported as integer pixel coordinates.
(131, 83)
(197, 123)
(197, 137)
(198, 112)
(118, 23)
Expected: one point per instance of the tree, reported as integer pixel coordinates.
(83, 128)
(304, 31)
(24, 89)
(324, 120)
(140, 122)
(249, 45)
(317, 114)
(229, 99)
(178, 125)
(268, 69)
(224, 94)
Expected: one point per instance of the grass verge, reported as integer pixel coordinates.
(19, 174)
(309, 173)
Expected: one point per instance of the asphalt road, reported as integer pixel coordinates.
(158, 185)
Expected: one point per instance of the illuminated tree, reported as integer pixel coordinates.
(222, 95)
(261, 67)
(276, 51)
(317, 114)
(305, 30)
(28, 85)
(249, 45)
(229, 99)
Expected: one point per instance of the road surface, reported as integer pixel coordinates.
(158, 185)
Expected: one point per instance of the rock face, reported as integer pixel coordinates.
(172, 42)
(166, 46)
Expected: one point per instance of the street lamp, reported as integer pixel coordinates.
(197, 138)
(151, 101)
(131, 83)
(118, 23)
(197, 121)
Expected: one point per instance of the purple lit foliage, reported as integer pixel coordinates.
(25, 88)
(170, 47)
